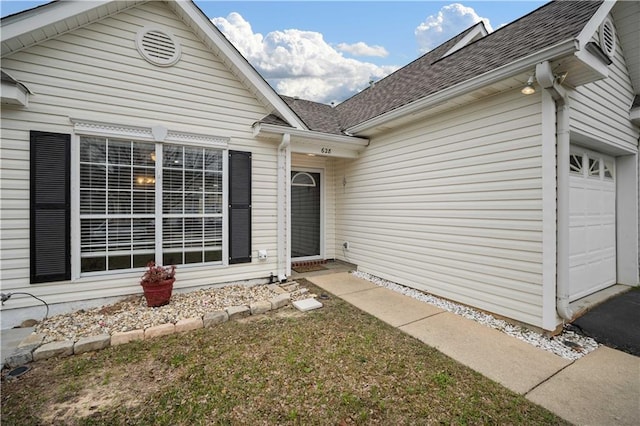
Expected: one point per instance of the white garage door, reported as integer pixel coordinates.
(592, 223)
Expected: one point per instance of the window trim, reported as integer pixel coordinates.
(156, 134)
(146, 134)
(586, 155)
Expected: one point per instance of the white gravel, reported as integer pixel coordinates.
(567, 344)
(132, 313)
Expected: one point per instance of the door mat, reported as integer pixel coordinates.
(301, 269)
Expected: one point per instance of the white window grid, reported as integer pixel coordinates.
(121, 228)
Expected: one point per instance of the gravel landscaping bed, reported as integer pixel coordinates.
(132, 313)
(567, 344)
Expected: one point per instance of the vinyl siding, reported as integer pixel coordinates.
(327, 165)
(453, 205)
(95, 73)
(613, 95)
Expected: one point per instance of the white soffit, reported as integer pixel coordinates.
(34, 26)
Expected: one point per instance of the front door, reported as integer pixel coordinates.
(306, 230)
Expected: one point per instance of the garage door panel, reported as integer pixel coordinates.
(577, 241)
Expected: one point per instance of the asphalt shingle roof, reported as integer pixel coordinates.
(547, 26)
(317, 116)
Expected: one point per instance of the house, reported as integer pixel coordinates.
(134, 131)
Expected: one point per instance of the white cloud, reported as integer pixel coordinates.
(362, 49)
(300, 63)
(450, 21)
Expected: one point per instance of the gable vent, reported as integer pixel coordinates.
(158, 47)
(608, 37)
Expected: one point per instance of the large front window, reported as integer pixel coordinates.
(141, 201)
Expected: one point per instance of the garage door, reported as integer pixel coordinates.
(592, 233)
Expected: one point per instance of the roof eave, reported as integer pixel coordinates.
(310, 142)
(17, 28)
(14, 94)
(594, 23)
(272, 130)
(565, 48)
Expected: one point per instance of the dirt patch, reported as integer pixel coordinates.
(101, 390)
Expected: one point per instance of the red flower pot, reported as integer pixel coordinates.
(158, 294)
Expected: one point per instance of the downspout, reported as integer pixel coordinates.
(548, 81)
(283, 171)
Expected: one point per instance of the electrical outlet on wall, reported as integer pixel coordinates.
(346, 245)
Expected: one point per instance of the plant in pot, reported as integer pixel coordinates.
(157, 283)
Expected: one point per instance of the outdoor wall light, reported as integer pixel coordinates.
(529, 89)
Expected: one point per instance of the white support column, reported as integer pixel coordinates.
(288, 210)
(158, 189)
(627, 219)
(549, 219)
(564, 142)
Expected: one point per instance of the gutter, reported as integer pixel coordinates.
(275, 130)
(283, 209)
(521, 65)
(548, 81)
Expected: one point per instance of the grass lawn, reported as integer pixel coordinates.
(336, 365)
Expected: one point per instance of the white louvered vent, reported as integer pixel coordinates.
(158, 47)
(608, 37)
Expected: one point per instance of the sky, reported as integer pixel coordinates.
(326, 51)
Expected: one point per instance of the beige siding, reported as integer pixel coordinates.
(327, 165)
(95, 73)
(453, 205)
(600, 110)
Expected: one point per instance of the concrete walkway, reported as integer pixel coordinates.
(601, 388)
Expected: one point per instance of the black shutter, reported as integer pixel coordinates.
(50, 217)
(239, 207)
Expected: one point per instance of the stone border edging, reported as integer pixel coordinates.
(32, 349)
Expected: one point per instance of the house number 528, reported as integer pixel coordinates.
(325, 150)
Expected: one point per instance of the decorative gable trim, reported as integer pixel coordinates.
(154, 133)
